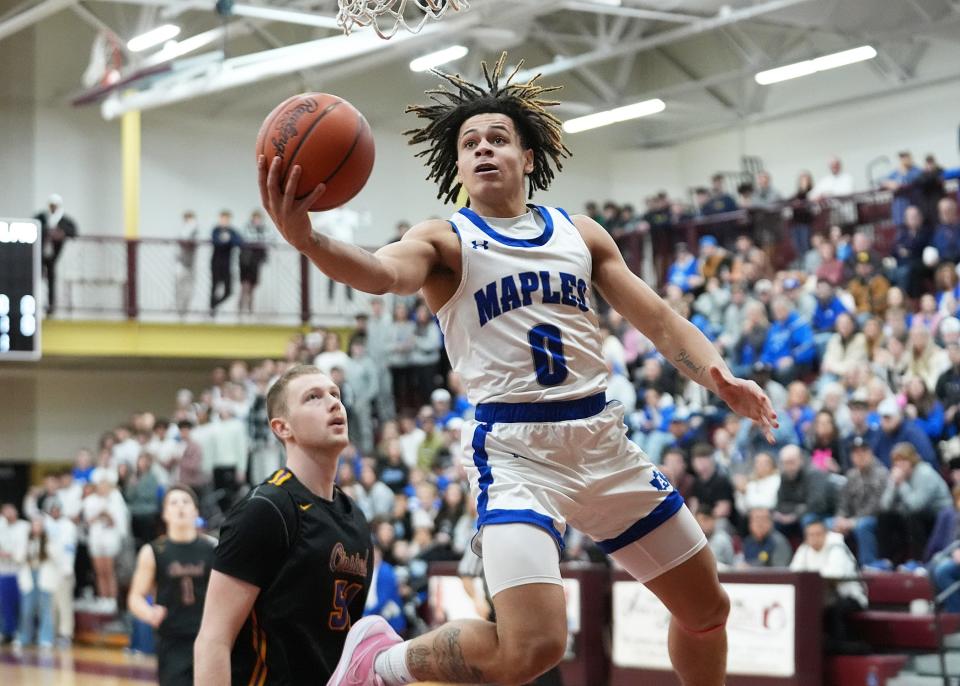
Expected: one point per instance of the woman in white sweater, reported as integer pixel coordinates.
(760, 490)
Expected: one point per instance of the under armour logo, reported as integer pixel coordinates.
(659, 481)
(481, 244)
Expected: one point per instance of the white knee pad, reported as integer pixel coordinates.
(518, 554)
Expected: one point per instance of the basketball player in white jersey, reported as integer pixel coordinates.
(511, 286)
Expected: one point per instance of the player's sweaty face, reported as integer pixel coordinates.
(490, 155)
(316, 414)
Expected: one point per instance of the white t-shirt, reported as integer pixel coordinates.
(71, 500)
(833, 185)
(13, 543)
(833, 561)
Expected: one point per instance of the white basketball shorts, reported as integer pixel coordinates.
(554, 463)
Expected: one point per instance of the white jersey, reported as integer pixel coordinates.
(521, 328)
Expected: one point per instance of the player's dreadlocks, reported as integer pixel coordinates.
(538, 129)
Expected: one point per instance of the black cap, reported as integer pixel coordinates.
(859, 442)
(762, 368)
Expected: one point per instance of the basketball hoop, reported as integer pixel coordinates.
(372, 12)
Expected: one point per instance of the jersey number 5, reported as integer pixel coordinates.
(343, 594)
(546, 346)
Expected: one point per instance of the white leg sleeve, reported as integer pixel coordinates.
(670, 544)
(518, 554)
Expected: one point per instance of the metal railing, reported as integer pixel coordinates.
(145, 279)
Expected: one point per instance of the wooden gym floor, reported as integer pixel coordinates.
(77, 666)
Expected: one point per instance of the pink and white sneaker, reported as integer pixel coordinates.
(367, 638)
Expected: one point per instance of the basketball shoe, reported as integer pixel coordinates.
(367, 638)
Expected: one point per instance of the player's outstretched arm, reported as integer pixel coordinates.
(142, 585)
(225, 608)
(676, 338)
(397, 268)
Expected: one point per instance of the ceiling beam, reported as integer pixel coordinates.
(593, 81)
(662, 38)
(99, 24)
(629, 12)
(716, 95)
(918, 8)
(31, 16)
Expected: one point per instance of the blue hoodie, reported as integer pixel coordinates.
(825, 316)
(792, 337)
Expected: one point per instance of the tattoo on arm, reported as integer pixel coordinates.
(418, 658)
(683, 357)
(449, 661)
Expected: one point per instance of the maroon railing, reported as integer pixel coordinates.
(771, 226)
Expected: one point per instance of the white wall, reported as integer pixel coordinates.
(49, 410)
(17, 157)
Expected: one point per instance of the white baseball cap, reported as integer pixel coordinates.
(889, 408)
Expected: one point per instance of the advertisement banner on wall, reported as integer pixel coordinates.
(760, 631)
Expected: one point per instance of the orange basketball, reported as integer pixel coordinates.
(328, 138)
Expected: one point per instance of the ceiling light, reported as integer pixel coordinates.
(153, 37)
(174, 49)
(286, 16)
(807, 67)
(435, 59)
(634, 111)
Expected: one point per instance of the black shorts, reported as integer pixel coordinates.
(250, 273)
(250, 262)
(175, 660)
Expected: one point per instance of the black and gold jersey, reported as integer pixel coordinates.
(183, 570)
(312, 560)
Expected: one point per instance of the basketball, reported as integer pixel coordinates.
(328, 138)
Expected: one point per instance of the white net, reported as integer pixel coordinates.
(389, 16)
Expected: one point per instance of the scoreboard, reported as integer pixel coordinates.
(20, 246)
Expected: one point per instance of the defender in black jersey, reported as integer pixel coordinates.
(295, 559)
(175, 569)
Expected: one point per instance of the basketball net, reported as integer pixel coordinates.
(106, 61)
(387, 16)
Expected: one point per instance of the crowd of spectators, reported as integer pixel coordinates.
(859, 352)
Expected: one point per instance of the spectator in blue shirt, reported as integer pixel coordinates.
(894, 428)
(946, 237)
(789, 347)
(900, 181)
(685, 271)
(859, 417)
(720, 201)
(384, 598)
(924, 408)
(825, 314)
